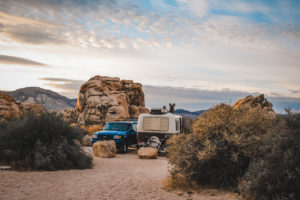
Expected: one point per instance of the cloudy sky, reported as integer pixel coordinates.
(196, 53)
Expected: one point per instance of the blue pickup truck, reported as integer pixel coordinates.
(123, 133)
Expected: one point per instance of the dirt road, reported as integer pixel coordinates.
(122, 177)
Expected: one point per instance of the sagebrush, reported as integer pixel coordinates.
(245, 150)
(219, 150)
(44, 142)
(274, 174)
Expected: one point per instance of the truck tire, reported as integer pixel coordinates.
(123, 147)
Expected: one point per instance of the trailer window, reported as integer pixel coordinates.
(156, 124)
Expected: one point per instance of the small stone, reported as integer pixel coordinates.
(86, 140)
(5, 167)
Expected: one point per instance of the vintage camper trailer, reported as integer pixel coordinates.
(155, 128)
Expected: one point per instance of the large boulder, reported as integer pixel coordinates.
(147, 153)
(258, 102)
(105, 149)
(28, 108)
(103, 99)
(11, 109)
(69, 115)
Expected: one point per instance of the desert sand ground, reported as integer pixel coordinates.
(122, 177)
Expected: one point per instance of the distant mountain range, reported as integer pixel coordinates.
(190, 114)
(51, 101)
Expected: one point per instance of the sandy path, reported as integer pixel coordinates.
(123, 177)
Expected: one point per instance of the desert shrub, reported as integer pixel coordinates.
(275, 172)
(219, 150)
(44, 142)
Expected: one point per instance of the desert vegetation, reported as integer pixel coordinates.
(241, 149)
(42, 142)
(91, 129)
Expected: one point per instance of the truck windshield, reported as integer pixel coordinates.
(116, 127)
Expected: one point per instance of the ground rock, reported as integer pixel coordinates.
(86, 140)
(147, 153)
(103, 99)
(105, 149)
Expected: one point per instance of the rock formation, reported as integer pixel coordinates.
(105, 149)
(28, 108)
(10, 109)
(255, 102)
(69, 115)
(103, 99)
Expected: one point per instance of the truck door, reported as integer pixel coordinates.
(132, 134)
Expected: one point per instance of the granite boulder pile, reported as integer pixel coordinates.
(10, 109)
(103, 99)
(259, 102)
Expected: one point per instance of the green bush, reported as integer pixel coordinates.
(42, 142)
(275, 173)
(219, 150)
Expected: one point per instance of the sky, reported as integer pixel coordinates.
(195, 53)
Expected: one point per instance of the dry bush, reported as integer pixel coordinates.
(92, 129)
(244, 149)
(44, 142)
(219, 150)
(95, 128)
(274, 174)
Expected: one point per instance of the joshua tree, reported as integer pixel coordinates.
(172, 107)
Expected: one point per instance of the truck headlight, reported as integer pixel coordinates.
(118, 137)
(95, 136)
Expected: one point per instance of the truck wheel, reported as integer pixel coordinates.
(124, 147)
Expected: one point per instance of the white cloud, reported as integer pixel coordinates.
(198, 7)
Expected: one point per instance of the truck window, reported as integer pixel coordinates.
(116, 126)
(155, 124)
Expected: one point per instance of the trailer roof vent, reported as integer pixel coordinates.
(158, 111)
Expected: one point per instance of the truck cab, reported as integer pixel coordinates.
(123, 133)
